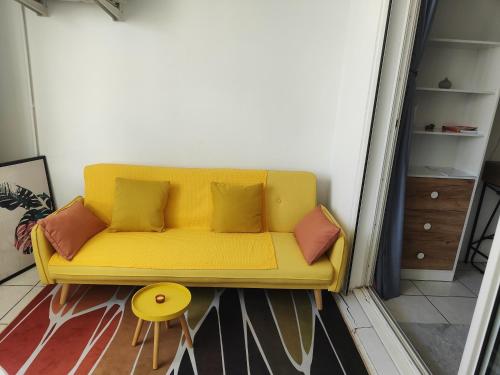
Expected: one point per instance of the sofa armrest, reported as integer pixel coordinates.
(338, 256)
(43, 250)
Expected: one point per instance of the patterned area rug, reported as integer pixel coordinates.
(235, 331)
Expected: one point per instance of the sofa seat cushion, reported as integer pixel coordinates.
(176, 249)
(291, 268)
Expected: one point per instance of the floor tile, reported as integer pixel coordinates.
(414, 309)
(10, 295)
(457, 310)
(443, 288)
(463, 266)
(9, 317)
(448, 341)
(468, 266)
(408, 288)
(2, 327)
(29, 278)
(470, 277)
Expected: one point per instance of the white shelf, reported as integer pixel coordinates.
(455, 91)
(463, 43)
(470, 57)
(439, 172)
(448, 134)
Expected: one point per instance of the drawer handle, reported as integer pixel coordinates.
(434, 195)
(427, 226)
(420, 256)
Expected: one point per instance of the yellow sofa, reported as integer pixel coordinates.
(143, 258)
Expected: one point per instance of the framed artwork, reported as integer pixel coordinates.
(25, 198)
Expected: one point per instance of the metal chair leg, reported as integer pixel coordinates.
(476, 245)
(471, 239)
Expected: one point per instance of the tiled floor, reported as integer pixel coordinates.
(436, 316)
(16, 293)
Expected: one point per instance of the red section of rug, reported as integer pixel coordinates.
(47, 338)
(24, 334)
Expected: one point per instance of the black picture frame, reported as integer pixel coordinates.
(8, 205)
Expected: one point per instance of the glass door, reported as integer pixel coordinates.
(490, 356)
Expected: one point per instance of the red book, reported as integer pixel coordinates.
(455, 128)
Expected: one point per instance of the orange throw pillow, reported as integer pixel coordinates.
(69, 229)
(315, 234)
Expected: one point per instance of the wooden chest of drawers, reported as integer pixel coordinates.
(434, 219)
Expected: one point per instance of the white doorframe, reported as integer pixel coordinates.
(395, 67)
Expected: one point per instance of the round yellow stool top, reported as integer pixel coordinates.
(145, 307)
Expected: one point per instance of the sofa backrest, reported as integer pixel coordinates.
(288, 195)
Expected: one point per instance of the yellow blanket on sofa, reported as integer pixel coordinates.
(183, 249)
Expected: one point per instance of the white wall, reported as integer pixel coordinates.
(274, 84)
(16, 131)
(365, 31)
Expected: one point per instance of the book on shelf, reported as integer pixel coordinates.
(457, 128)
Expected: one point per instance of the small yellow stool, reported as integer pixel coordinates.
(160, 303)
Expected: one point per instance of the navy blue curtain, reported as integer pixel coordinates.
(388, 269)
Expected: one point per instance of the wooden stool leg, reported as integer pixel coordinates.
(64, 293)
(319, 299)
(156, 344)
(185, 330)
(137, 331)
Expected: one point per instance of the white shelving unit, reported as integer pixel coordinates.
(462, 43)
(447, 134)
(440, 172)
(465, 49)
(456, 91)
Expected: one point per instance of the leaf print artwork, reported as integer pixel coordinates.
(37, 207)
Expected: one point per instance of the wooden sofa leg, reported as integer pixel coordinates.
(64, 293)
(318, 298)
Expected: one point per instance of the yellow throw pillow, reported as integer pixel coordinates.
(139, 206)
(237, 208)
